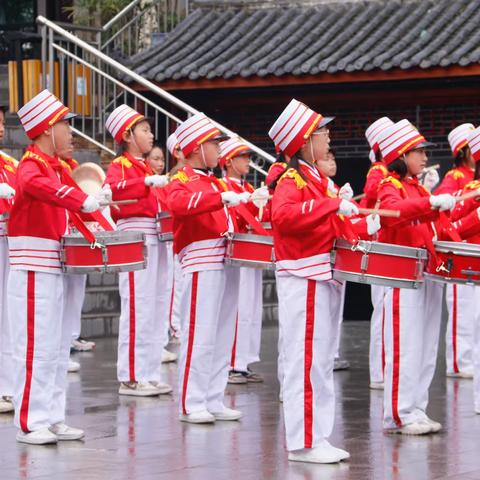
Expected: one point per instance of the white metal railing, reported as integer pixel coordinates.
(93, 84)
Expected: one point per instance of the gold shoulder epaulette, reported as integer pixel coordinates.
(180, 176)
(65, 165)
(395, 182)
(293, 174)
(380, 167)
(456, 174)
(223, 184)
(31, 155)
(8, 159)
(124, 161)
(276, 165)
(473, 185)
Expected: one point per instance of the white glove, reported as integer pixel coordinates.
(346, 192)
(373, 224)
(231, 199)
(431, 179)
(444, 201)
(156, 181)
(90, 205)
(245, 197)
(347, 208)
(104, 196)
(6, 191)
(260, 197)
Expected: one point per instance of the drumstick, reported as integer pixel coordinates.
(358, 197)
(379, 211)
(118, 202)
(260, 210)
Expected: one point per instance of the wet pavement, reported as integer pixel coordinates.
(135, 438)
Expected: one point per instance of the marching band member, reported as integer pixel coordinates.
(377, 172)
(412, 316)
(459, 332)
(176, 153)
(8, 183)
(144, 302)
(38, 219)
(198, 203)
(235, 162)
(305, 219)
(156, 160)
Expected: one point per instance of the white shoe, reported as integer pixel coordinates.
(73, 366)
(376, 385)
(64, 432)
(6, 405)
(324, 453)
(435, 427)
(168, 356)
(415, 428)
(203, 416)
(227, 414)
(164, 388)
(82, 345)
(463, 374)
(39, 437)
(138, 389)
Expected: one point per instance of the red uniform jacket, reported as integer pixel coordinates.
(126, 177)
(466, 207)
(378, 171)
(305, 224)
(39, 218)
(418, 223)
(200, 219)
(8, 174)
(454, 180)
(240, 186)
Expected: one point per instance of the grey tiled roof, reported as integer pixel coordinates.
(331, 38)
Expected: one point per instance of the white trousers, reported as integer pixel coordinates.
(280, 361)
(144, 308)
(176, 298)
(6, 368)
(167, 327)
(461, 308)
(377, 351)
(248, 327)
(74, 298)
(476, 348)
(340, 308)
(209, 307)
(412, 330)
(309, 325)
(41, 348)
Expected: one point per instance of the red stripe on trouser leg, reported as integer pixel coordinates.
(307, 388)
(383, 341)
(30, 350)
(396, 354)
(454, 329)
(191, 336)
(234, 346)
(132, 330)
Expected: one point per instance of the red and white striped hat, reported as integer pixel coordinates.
(294, 126)
(374, 130)
(458, 137)
(196, 130)
(231, 148)
(398, 139)
(41, 112)
(122, 119)
(474, 143)
(172, 143)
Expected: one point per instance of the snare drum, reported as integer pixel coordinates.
(115, 251)
(165, 226)
(460, 263)
(378, 263)
(250, 250)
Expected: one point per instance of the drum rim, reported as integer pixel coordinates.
(457, 248)
(382, 248)
(109, 268)
(441, 279)
(164, 215)
(112, 237)
(396, 283)
(251, 237)
(249, 263)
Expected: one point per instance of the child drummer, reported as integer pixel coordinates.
(144, 298)
(38, 219)
(198, 203)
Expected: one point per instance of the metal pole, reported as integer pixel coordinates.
(51, 80)
(44, 56)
